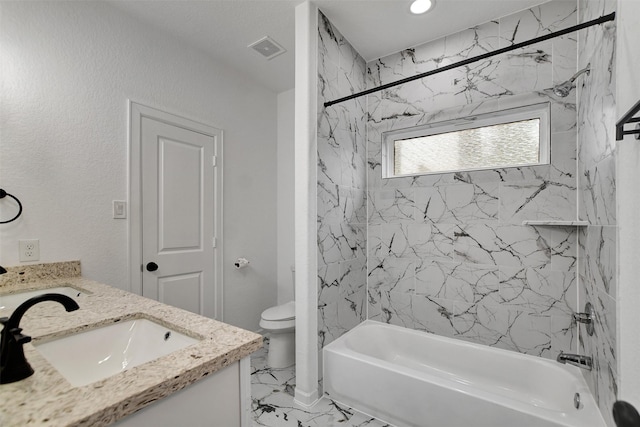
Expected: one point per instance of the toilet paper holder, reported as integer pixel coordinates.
(241, 263)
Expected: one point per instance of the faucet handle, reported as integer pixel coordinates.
(587, 317)
(19, 337)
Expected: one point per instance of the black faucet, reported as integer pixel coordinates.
(13, 365)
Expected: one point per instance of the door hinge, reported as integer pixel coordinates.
(215, 242)
(214, 161)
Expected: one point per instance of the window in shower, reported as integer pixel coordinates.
(501, 139)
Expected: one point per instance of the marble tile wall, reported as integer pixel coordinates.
(447, 253)
(342, 266)
(597, 199)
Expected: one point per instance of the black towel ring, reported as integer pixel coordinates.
(2, 196)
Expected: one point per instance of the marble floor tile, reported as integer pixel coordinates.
(273, 406)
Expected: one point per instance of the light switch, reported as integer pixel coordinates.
(119, 209)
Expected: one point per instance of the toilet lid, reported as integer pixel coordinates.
(285, 311)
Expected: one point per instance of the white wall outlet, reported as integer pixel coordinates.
(29, 250)
(119, 209)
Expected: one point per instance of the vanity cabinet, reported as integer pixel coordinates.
(222, 399)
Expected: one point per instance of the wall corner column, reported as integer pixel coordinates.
(306, 95)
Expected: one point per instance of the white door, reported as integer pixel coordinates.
(178, 224)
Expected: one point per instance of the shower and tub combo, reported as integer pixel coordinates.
(408, 377)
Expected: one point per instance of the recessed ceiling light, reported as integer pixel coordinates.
(420, 6)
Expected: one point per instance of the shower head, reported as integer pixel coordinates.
(563, 89)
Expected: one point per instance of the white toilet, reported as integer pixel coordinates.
(280, 322)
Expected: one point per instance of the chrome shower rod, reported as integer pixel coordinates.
(601, 20)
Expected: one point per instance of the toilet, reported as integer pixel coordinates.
(279, 322)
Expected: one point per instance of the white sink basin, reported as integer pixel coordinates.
(9, 302)
(93, 355)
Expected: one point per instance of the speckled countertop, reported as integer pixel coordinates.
(47, 399)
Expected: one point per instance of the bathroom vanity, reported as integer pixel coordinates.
(204, 383)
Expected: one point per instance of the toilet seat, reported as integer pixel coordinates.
(279, 318)
(278, 326)
(286, 311)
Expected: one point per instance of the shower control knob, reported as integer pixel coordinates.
(152, 266)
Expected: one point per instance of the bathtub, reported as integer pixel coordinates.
(412, 378)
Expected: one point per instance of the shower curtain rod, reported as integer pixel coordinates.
(559, 33)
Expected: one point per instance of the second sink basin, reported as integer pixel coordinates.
(93, 355)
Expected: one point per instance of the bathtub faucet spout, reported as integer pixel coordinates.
(584, 362)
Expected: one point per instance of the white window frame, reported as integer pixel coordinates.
(540, 111)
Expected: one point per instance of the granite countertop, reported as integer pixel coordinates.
(47, 399)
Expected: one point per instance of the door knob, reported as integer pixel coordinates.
(152, 266)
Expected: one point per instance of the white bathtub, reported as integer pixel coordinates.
(412, 378)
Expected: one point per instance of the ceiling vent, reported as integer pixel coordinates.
(267, 47)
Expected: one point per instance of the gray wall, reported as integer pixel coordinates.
(67, 70)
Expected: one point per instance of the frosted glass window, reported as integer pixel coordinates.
(490, 141)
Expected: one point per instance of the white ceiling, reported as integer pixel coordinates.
(224, 28)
